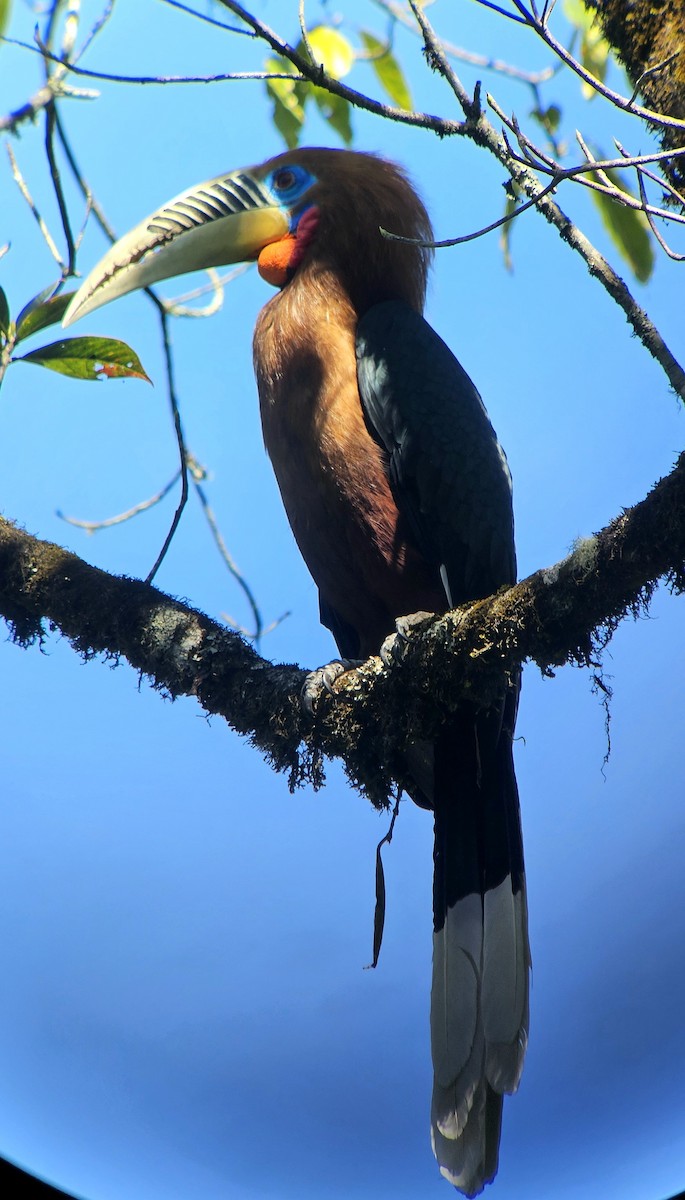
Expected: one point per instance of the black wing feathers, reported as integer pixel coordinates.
(447, 471)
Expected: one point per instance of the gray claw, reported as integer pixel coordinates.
(322, 680)
(393, 647)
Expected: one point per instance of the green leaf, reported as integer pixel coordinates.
(5, 6)
(89, 358)
(594, 48)
(505, 234)
(5, 319)
(36, 301)
(388, 71)
(288, 100)
(335, 110)
(628, 229)
(43, 315)
(330, 49)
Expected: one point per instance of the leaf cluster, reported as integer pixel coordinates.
(89, 358)
(327, 48)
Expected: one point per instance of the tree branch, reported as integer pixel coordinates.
(563, 614)
(316, 75)
(645, 36)
(483, 133)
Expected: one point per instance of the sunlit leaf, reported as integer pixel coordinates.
(336, 111)
(594, 48)
(549, 118)
(89, 358)
(505, 234)
(331, 50)
(5, 6)
(628, 229)
(288, 100)
(36, 301)
(43, 315)
(5, 319)
(388, 71)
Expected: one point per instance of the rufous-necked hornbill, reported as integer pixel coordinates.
(399, 496)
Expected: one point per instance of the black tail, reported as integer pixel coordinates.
(481, 956)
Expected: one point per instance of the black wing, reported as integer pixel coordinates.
(448, 472)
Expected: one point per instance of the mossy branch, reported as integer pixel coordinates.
(563, 614)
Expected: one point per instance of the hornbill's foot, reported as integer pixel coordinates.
(323, 679)
(393, 647)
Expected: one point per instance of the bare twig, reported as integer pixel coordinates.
(533, 156)
(503, 12)
(31, 108)
(660, 180)
(120, 518)
(626, 104)
(23, 188)
(178, 429)
(97, 28)
(165, 309)
(316, 75)
(660, 66)
(92, 203)
(178, 307)
(652, 223)
(471, 237)
(117, 77)
(398, 13)
(230, 562)
(483, 133)
(303, 29)
(210, 20)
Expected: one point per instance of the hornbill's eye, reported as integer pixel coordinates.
(284, 179)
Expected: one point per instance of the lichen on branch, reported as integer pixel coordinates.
(562, 614)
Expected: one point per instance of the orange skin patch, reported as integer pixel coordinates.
(278, 261)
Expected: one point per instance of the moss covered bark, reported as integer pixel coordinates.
(645, 35)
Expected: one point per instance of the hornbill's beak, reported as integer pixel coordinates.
(225, 220)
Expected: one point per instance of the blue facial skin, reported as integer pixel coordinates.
(288, 185)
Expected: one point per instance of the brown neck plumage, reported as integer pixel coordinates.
(357, 195)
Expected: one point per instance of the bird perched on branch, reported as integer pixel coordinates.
(399, 496)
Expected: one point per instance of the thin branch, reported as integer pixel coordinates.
(178, 307)
(471, 237)
(165, 309)
(116, 77)
(503, 12)
(484, 134)
(316, 75)
(121, 518)
(532, 156)
(178, 429)
(533, 78)
(230, 562)
(49, 143)
(660, 180)
(96, 28)
(30, 110)
(303, 30)
(652, 223)
(210, 20)
(624, 103)
(660, 66)
(92, 204)
(23, 188)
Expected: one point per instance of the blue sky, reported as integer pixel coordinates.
(184, 1009)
